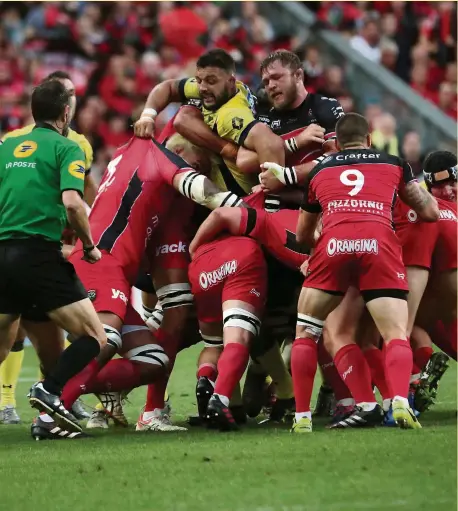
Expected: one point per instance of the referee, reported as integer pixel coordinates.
(41, 187)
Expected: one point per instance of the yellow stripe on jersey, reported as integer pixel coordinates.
(232, 121)
(81, 140)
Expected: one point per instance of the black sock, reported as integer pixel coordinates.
(73, 360)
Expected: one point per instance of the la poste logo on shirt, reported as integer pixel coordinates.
(25, 149)
(77, 169)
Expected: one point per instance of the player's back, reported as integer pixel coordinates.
(276, 233)
(133, 195)
(357, 185)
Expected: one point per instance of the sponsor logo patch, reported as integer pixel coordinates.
(334, 247)
(237, 123)
(77, 169)
(92, 294)
(116, 294)
(209, 279)
(412, 216)
(25, 149)
(174, 248)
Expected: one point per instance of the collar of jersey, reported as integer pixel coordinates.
(45, 125)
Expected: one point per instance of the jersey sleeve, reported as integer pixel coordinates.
(407, 172)
(168, 163)
(188, 89)
(234, 124)
(72, 167)
(252, 223)
(310, 202)
(328, 112)
(88, 154)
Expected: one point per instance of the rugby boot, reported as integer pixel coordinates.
(9, 415)
(98, 420)
(340, 413)
(325, 402)
(389, 421)
(51, 404)
(113, 402)
(159, 421)
(253, 395)
(404, 416)
(426, 391)
(204, 391)
(280, 408)
(41, 430)
(361, 418)
(220, 416)
(78, 410)
(238, 412)
(301, 426)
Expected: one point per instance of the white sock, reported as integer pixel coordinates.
(154, 414)
(224, 399)
(386, 405)
(46, 418)
(348, 401)
(367, 407)
(403, 399)
(414, 377)
(300, 415)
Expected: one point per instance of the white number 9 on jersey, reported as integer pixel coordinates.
(357, 182)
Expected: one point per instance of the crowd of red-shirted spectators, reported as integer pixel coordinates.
(415, 40)
(116, 52)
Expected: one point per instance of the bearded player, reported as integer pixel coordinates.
(355, 188)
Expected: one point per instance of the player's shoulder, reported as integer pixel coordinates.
(80, 139)
(324, 106)
(237, 104)
(18, 132)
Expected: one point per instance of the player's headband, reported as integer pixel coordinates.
(435, 178)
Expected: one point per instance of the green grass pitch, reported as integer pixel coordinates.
(257, 469)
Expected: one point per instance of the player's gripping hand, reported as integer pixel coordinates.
(274, 176)
(312, 133)
(91, 254)
(144, 127)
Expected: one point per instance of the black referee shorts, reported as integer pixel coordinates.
(35, 279)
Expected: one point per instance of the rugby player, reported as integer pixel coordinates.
(11, 368)
(276, 233)
(357, 247)
(437, 313)
(36, 279)
(135, 193)
(227, 109)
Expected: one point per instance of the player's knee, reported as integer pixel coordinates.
(241, 318)
(152, 355)
(308, 326)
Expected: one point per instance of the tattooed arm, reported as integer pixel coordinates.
(421, 201)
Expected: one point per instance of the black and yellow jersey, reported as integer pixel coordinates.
(81, 140)
(232, 121)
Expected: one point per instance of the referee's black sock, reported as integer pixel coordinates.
(73, 360)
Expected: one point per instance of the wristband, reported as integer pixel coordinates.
(287, 175)
(149, 112)
(291, 145)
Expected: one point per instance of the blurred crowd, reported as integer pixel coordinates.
(414, 40)
(116, 52)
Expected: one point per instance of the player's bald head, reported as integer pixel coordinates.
(352, 129)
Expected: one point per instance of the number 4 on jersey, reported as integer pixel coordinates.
(357, 183)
